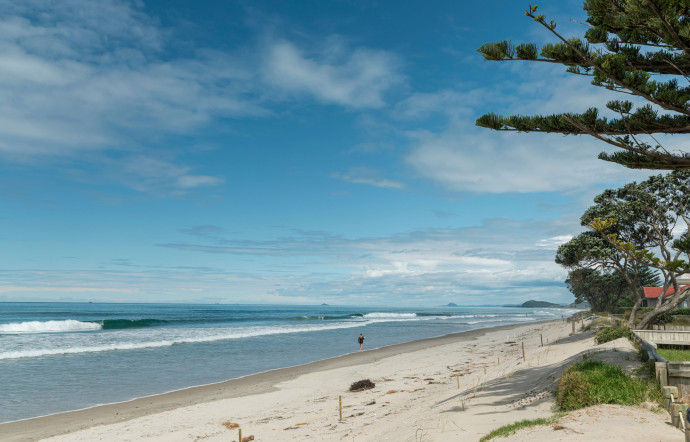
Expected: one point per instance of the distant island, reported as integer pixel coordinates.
(538, 304)
(533, 304)
(451, 304)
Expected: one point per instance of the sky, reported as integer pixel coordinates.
(274, 152)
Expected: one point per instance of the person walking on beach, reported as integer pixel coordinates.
(361, 341)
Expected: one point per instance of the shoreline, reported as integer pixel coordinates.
(36, 428)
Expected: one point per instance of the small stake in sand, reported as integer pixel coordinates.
(542, 339)
(523, 352)
(573, 328)
(457, 378)
(240, 436)
(340, 407)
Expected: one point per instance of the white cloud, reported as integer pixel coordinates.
(79, 75)
(355, 78)
(498, 257)
(155, 175)
(81, 78)
(554, 242)
(365, 175)
(190, 181)
(448, 102)
(481, 264)
(466, 158)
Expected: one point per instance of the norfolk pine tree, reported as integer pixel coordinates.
(634, 47)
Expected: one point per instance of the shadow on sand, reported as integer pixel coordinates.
(522, 384)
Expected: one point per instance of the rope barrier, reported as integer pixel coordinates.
(682, 419)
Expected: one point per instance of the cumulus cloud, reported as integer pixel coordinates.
(478, 264)
(80, 79)
(461, 157)
(465, 158)
(356, 78)
(474, 262)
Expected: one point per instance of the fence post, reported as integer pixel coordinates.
(661, 373)
(666, 392)
(678, 409)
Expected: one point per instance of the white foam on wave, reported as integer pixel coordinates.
(379, 315)
(68, 325)
(475, 316)
(202, 335)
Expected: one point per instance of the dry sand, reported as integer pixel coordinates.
(416, 397)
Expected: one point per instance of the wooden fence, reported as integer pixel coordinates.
(675, 373)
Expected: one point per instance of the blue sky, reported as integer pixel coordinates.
(285, 152)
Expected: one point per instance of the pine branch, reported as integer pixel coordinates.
(599, 68)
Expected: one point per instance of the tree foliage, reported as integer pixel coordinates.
(599, 273)
(634, 47)
(647, 224)
(603, 291)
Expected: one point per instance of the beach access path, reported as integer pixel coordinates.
(455, 387)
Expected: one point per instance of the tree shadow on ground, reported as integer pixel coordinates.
(522, 387)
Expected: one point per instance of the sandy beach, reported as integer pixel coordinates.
(456, 387)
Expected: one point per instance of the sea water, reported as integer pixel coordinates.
(58, 357)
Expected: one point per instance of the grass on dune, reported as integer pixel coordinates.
(594, 382)
(611, 333)
(510, 429)
(587, 383)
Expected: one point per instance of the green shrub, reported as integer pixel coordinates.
(664, 318)
(681, 320)
(594, 382)
(611, 333)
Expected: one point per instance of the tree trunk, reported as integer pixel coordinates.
(670, 304)
(631, 321)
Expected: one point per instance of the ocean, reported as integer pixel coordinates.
(57, 357)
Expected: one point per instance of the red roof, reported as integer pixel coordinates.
(655, 292)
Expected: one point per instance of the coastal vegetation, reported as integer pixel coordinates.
(613, 257)
(510, 429)
(638, 49)
(611, 333)
(593, 382)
